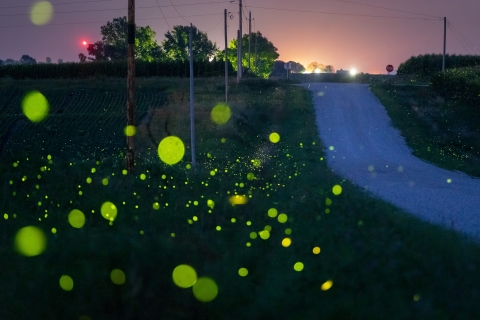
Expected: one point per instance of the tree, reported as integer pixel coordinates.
(26, 59)
(330, 69)
(314, 66)
(9, 61)
(60, 61)
(82, 57)
(176, 44)
(266, 51)
(113, 45)
(49, 60)
(296, 67)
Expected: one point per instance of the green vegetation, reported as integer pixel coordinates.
(442, 131)
(347, 255)
(461, 84)
(118, 69)
(429, 64)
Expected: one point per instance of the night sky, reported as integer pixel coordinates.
(358, 38)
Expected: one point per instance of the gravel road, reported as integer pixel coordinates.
(363, 147)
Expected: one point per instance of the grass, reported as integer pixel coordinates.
(443, 132)
(384, 264)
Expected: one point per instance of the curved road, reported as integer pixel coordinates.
(363, 148)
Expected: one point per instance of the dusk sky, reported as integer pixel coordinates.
(351, 35)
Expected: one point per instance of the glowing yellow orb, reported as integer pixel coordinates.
(250, 176)
(327, 285)
(264, 234)
(156, 205)
(242, 272)
(272, 212)
(41, 13)
(210, 203)
(117, 276)
(298, 266)
(35, 106)
(316, 250)
(253, 235)
(286, 242)
(30, 241)
(130, 131)
(337, 189)
(282, 218)
(221, 113)
(76, 218)
(237, 199)
(171, 150)
(66, 283)
(205, 289)
(143, 176)
(109, 211)
(184, 276)
(274, 137)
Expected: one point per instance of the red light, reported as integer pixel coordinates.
(84, 43)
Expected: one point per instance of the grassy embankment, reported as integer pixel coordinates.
(445, 132)
(383, 263)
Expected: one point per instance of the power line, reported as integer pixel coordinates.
(103, 21)
(59, 3)
(385, 8)
(179, 12)
(98, 10)
(343, 14)
(457, 38)
(464, 38)
(161, 12)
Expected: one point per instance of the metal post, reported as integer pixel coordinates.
(226, 59)
(249, 36)
(192, 112)
(239, 42)
(131, 82)
(444, 41)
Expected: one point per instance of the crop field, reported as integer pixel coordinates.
(260, 228)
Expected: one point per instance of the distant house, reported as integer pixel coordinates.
(341, 71)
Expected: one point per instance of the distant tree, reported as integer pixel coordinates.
(312, 67)
(266, 51)
(296, 67)
(82, 57)
(330, 69)
(60, 61)
(176, 44)
(26, 59)
(9, 61)
(113, 45)
(49, 60)
(1, 62)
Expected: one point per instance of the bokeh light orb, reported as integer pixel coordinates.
(316, 250)
(184, 276)
(205, 289)
(41, 13)
(286, 242)
(66, 283)
(274, 137)
(35, 106)
(221, 113)
(264, 234)
(130, 131)
(117, 276)
(30, 241)
(76, 218)
(282, 218)
(109, 211)
(272, 212)
(238, 199)
(298, 266)
(171, 150)
(337, 189)
(326, 285)
(242, 272)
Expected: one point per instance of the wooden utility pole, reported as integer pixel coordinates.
(239, 43)
(444, 41)
(192, 111)
(226, 59)
(256, 55)
(131, 83)
(249, 36)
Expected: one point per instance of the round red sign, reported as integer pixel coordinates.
(389, 68)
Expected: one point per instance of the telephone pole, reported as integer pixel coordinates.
(192, 110)
(226, 58)
(444, 41)
(131, 82)
(239, 43)
(249, 36)
(256, 55)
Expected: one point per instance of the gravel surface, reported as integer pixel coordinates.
(362, 146)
